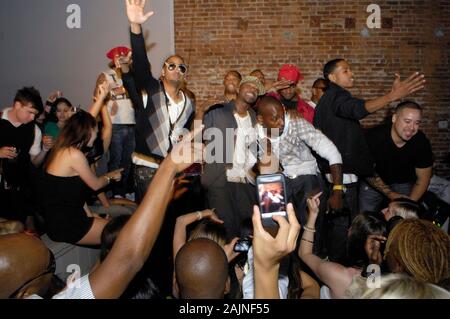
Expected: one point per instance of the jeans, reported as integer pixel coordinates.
(371, 200)
(122, 145)
(142, 178)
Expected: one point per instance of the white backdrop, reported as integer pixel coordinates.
(37, 47)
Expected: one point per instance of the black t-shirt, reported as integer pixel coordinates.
(394, 164)
(15, 172)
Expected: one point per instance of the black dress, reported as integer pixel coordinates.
(64, 216)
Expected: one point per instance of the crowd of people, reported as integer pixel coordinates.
(146, 165)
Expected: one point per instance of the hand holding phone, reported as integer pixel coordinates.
(271, 197)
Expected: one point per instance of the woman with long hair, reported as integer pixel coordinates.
(336, 277)
(68, 179)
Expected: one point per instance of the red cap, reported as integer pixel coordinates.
(117, 51)
(290, 72)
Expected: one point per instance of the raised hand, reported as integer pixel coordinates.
(279, 85)
(54, 95)
(135, 11)
(313, 203)
(373, 248)
(188, 219)
(102, 91)
(400, 89)
(123, 62)
(268, 251)
(188, 151)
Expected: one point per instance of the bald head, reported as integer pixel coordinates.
(271, 115)
(22, 258)
(201, 269)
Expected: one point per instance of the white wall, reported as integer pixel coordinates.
(37, 48)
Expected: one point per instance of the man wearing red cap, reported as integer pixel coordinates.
(121, 110)
(289, 95)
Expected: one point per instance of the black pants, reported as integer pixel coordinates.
(14, 204)
(234, 205)
(339, 223)
(298, 191)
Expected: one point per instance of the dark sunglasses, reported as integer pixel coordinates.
(50, 270)
(172, 66)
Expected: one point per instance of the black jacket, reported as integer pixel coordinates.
(337, 115)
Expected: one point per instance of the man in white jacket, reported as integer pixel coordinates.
(290, 142)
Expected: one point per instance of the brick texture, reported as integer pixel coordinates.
(215, 36)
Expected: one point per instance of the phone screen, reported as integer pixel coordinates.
(271, 197)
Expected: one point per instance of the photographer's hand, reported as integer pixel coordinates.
(268, 251)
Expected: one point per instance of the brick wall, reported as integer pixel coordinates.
(215, 36)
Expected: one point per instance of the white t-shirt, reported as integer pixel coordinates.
(243, 159)
(125, 111)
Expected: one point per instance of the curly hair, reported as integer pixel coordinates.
(421, 249)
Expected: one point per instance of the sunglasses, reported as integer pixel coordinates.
(172, 66)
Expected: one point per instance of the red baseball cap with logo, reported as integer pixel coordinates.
(117, 51)
(290, 72)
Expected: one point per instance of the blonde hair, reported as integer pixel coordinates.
(397, 286)
(421, 249)
(404, 210)
(210, 230)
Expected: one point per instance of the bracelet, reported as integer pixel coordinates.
(108, 179)
(312, 230)
(338, 187)
(199, 215)
(309, 241)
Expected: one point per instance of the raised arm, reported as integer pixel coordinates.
(135, 241)
(129, 83)
(101, 92)
(141, 65)
(179, 234)
(334, 275)
(269, 251)
(400, 89)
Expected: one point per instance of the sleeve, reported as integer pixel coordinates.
(36, 147)
(208, 122)
(141, 65)
(424, 153)
(76, 289)
(349, 107)
(315, 139)
(130, 86)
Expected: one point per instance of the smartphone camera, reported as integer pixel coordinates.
(271, 197)
(243, 245)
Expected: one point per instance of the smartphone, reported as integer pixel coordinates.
(271, 192)
(242, 245)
